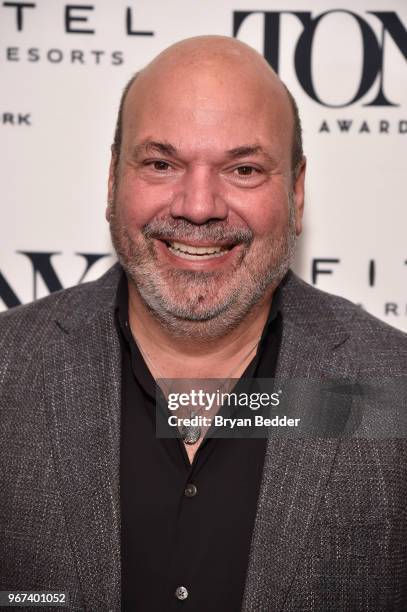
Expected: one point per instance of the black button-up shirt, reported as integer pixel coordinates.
(186, 528)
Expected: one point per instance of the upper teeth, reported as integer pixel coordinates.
(187, 248)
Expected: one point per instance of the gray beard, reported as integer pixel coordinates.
(188, 319)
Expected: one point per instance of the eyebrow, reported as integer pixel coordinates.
(165, 148)
(247, 150)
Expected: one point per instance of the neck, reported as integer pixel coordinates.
(193, 355)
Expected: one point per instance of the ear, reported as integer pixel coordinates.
(111, 183)
(299, 192)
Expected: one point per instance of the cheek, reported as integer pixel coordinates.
(265, 215)
(139, 203)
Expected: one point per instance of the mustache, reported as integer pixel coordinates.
(212, 231)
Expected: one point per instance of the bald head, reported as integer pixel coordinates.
(204, 67)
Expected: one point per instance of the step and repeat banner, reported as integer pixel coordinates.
(63, 67)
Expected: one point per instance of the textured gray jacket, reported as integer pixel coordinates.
(330, 530)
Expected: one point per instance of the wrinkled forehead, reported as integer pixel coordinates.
(209, 100)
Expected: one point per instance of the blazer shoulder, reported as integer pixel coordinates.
(360, 323)
(29, 325)
(379, 345)
(319, 303)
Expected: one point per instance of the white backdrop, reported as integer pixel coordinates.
(59, 98)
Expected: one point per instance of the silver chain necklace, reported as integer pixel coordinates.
(190, 434)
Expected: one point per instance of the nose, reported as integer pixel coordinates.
(198, 199)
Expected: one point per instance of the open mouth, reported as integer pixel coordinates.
(197, 253)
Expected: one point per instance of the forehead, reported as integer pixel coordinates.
(209, 108)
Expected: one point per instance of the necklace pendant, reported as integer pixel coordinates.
(190, 434)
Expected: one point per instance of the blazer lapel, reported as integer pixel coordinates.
(296, 471)
(83, 379)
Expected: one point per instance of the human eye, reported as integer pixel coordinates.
(246, 171)
(158, 165)
(246, 175)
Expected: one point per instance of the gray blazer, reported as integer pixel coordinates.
(330, 531)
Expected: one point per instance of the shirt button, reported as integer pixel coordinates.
(190, 490)
(181, 593)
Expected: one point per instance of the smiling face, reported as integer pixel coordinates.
(204, 214)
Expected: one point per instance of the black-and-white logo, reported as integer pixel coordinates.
(372, 67)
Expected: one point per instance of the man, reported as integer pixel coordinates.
(206, 194)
